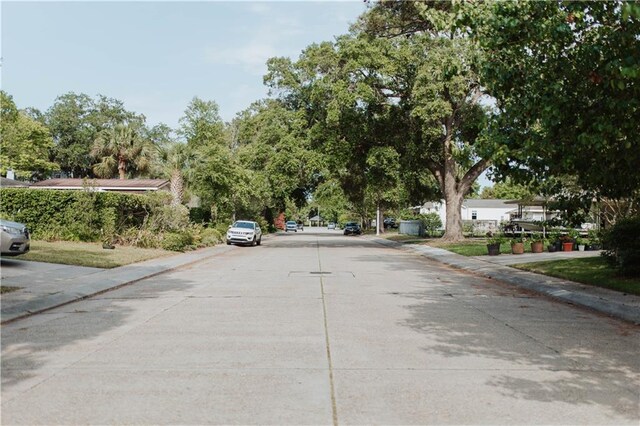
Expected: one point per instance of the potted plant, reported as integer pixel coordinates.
(517, 244)
(537, 243)
(554, 242)
(493, 243)
(594, 240)
(580, 243)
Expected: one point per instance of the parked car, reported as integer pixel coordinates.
(390, 222)
(14, 238)
(352, 228)
(244, 232)
(291, 226)
(331, 225)
(300, 226)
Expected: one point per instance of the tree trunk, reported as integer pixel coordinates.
(177, 187)
(122, 168)
(453, 224)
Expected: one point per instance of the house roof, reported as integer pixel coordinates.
(486, 203)
(104, 184)
(474, 203)
(535, 201)
(10, 183)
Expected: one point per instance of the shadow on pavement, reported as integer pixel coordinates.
(581, 355)
(77, 328)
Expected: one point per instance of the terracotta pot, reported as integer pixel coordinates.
(567, 246)
(537, 247)
(517, 248)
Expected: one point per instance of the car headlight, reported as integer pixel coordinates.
(11, 229)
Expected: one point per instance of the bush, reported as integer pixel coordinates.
(431, 222)
(72, 214)
(211, 237)
(177, 241)
(622, 242)
(200, 215)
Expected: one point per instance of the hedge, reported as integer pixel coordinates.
(72, 214)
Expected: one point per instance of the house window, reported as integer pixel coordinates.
(474, 214)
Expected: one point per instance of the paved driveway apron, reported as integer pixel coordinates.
(317, 328)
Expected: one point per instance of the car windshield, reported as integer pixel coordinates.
(248, 225)
(291, 223)
(351, 224)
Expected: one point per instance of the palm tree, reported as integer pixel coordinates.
(121, 148)
(176, 158)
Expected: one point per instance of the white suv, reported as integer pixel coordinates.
(291, 226)
(14, 238)
(244, 232)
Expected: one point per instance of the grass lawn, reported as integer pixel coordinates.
(469, 247)
(592, 270)
(88, 254)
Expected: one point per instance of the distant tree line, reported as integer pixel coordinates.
(412, 104)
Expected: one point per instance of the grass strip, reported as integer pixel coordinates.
(89, 254)
(592, 271)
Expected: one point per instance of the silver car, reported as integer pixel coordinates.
(244, 232)
(14, 238)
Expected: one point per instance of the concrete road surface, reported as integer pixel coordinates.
(318, 328)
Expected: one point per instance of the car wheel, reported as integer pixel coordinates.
(253, 243)
(259, 241)
(228, 243)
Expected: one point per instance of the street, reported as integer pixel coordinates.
(317, 328)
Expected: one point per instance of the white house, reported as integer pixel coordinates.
(485, 215)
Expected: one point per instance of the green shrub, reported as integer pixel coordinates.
(72, 214)
(211, 237)
(200, 215)
(177, 241)
(431, 222)
(169, 218)
(622, 243)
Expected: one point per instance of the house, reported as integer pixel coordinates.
(10, 183)
(483, 215)
(102, 185)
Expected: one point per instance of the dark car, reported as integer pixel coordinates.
(352, 228)
(390, 222)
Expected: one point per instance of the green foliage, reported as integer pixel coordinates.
(566, 78)
(431, 222)
(177, 241)
(622, 242)
(24, 142)
(74, 215)
(119, 150)
(75, 121)
(507, 190)
(199, 215)
(496, 238)
(210, 237)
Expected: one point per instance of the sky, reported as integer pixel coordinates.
(155, 56)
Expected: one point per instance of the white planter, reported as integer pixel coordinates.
(580, 247)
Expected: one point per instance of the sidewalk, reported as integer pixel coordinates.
(613, 303)
(39, 292)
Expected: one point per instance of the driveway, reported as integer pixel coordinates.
(318, 328)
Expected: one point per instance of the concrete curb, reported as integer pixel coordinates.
(615, 304)
(109, 279)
